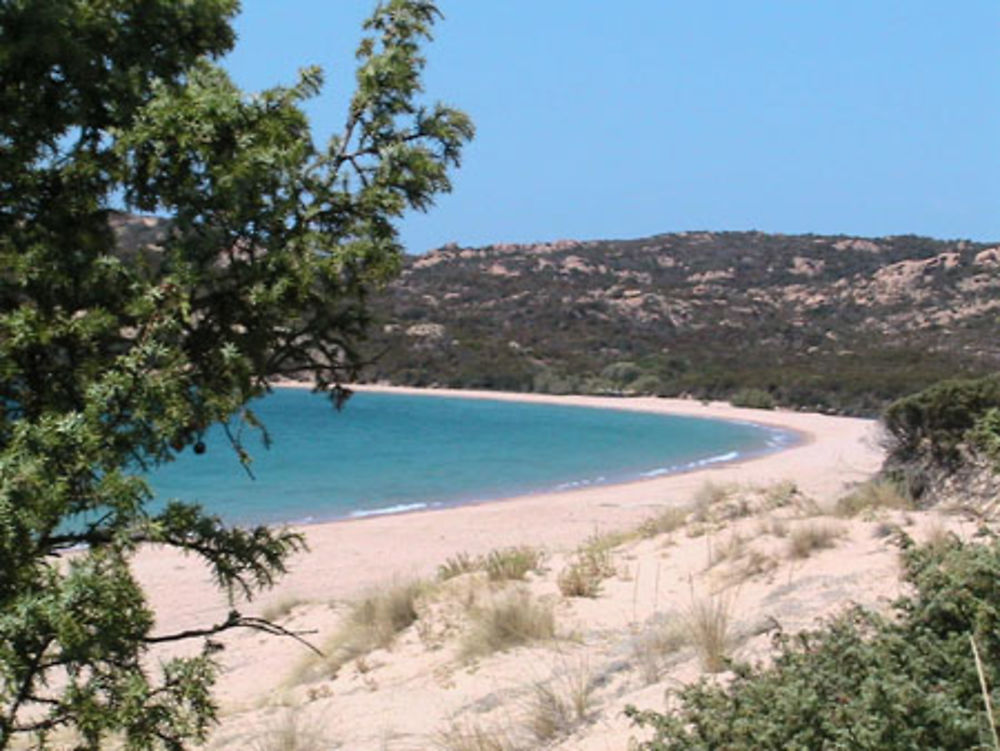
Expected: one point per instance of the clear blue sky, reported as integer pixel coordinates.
(616, 120)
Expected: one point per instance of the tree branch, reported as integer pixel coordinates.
(235, 620)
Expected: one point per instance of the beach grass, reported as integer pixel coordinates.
(806, 539)
(512, 618)
(709, 631)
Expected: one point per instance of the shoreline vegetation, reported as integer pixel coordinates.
(579, 536)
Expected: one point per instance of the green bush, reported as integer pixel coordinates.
(936, 420)
(985, 435)
(647, 384)
(864, 681)
(753, 398)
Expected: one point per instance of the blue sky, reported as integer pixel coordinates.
(616, 120)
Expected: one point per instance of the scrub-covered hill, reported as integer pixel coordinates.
(824, 322)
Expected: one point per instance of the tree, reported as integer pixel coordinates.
(115, 359)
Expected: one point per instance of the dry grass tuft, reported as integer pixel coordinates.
(373, 622)
(773, 526)
(733, 548)
(557, 707)
(456, 565)
(662, 638)
(513, 564)
(506, 564)
(753, 564)
(592, 562)
(509, 620)
(665, 522)
(280, 609)
(290, 733)
(472, 737)
(871, 496)
(806, 539)
(709, 631)
(780, 494)
(708, 495)
(579, 580)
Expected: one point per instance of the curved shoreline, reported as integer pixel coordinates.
(647, 405)
(349, 555)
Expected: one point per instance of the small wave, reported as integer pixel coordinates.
(728, 457)
(573, 484)
(676, 468)
(398, 509)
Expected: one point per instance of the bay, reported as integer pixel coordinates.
(387, 453)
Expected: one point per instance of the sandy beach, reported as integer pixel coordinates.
(347, 557)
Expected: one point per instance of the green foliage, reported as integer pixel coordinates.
(636, 310)
(864, 681)
(753, 398)
(647, 384)
(122, 339)
(934, 422)
(985, 435)
(621, 374)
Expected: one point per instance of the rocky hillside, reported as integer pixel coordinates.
(835, 323)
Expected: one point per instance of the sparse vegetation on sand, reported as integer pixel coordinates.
(805, 539)
(590, 564)
(709, 626)
(903, 681)
(502, 564)
(486, 657)
(508, 620)
(870, 496)
(371, 622)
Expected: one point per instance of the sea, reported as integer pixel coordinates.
(387, 453)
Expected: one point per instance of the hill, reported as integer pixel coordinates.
(830, 323)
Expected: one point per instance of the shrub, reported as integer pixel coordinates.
(648, 384)
(936, 420)
(753, 398)
(985, 435)
(591, 564)
(863, 681)
(579, 580)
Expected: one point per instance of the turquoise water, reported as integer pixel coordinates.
(387, 453)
